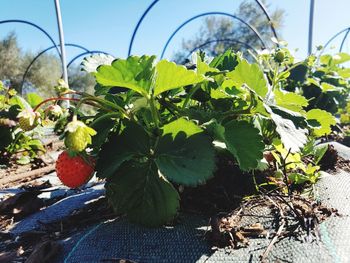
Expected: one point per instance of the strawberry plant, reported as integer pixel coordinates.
(322, 79)
(159, 125)
(17, 121)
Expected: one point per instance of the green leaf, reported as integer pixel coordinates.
(325, 59)
(225, 61)
(290, 100)
(344, 72)
(133, 141)
(145, 196)
(335, 59)
(326, 87)
(298, 178)
(18, 100)
(103, 126)
(36, 145)
(185, 154)
(298, 73)
(23, 160)
(203, 68)
(134, 73)
(290, 126)
(324, 118)
(34, 99)
(245, 143)
(341, 58)
(171, 76)
(319, 152)
(215, 130)
(251, 75)
(218, 94)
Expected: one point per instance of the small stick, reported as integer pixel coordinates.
(278, 233)
(34, 173)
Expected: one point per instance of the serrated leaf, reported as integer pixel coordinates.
(185, 154)
(171, 76)
(119, 148)
(245, 143)
(341, 58)
(290, 127)
(144, 195)
(91, 63)
(251, 75)
(290, 100)
(203, 68)
(226, 61)
(325, 120)
(134, 73)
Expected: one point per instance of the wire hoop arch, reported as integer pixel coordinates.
(43, 52)
(263, 45)
(222, 40)
(37, 27)
(347, 30)
(149, 8)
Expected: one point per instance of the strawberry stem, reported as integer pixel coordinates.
(63, 98)
(53, 99)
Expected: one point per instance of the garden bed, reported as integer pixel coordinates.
(70, 223)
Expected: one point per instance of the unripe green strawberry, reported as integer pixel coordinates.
(28, 119)
(54, 112)
(62, 87)
(279, 56)
(74, 171)
(78, 135)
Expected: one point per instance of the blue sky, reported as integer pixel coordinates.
(107, 25)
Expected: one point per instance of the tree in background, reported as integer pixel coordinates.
(44, 73)
(218, 28)
(10, 59)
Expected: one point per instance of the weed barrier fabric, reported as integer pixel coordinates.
(185, 242)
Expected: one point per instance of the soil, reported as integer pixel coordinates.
(331, 162)
(227, 191)
(339, 134)
(224, 192)
(343, 164)
(291, 216)
(15, 175)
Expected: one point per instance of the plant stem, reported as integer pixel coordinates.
(154, 112)
(189, 96)
(53, 99)
(106, 116)
(107, 103)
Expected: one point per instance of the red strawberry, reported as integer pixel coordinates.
(74, 171)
